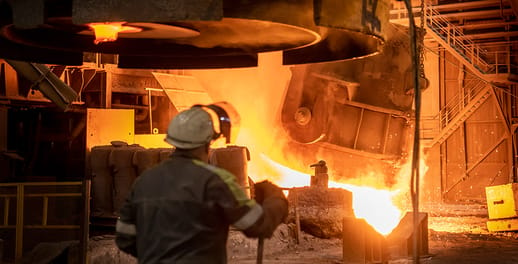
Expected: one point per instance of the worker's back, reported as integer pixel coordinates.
(179, 211)
(179, 217)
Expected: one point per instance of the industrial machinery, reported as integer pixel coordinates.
(95, 46)
(190, 34)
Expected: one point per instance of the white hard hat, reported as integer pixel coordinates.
(190, 129)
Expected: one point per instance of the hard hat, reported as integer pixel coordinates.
(190, 129)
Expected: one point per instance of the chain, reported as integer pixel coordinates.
(421, 42)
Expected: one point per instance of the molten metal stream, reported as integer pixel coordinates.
(376, 206)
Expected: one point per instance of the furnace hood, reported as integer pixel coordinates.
(193, 33)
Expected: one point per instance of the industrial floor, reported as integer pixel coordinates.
(457, 235)
(445, 248)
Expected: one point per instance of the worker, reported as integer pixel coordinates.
(180, 210)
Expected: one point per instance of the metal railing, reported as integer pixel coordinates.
(502, 61)
(431, 126)
(483, 58)
(454, 37)
(457, 103)
(19, 192)
(486, 60)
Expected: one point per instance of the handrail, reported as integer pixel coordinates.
(20, 191)
(429, 127)
(455, 105)
(452, 108)
(454, 37)
(477, 54)
(501, 61)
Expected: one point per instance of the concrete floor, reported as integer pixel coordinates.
(457, 235)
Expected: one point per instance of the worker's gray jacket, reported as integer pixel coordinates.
(180, 212)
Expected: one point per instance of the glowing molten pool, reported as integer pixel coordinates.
(376, 206)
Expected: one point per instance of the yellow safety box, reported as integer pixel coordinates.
(502, 225)
(502, 201)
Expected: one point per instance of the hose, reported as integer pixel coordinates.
(414, 179)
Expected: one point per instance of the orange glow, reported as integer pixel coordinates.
(285, 177)
(374, 205)
(109, 31)
(258, 94)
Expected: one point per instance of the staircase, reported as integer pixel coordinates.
(459, 110)
(476, 91)
(454, 41)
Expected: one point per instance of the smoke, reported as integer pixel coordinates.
(258, 94)
(404, 175)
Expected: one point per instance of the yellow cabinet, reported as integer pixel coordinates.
(502, 201)
(502, 225)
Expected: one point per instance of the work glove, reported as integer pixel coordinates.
(266, 189)
(275, 209)
(271, 197)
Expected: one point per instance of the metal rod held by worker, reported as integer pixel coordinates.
(260, 247)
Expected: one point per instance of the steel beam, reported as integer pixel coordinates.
(468, 5)
(489, 35)
(486, 154)
(487, 24)
(85, 225)
(505, 119)
(18, 254)
(476, 14)
(358, 128)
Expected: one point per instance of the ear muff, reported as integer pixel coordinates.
(224, 122)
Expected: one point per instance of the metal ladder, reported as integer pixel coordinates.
(436, 129)
(453, 40)
(459, 109)
(476, 91)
